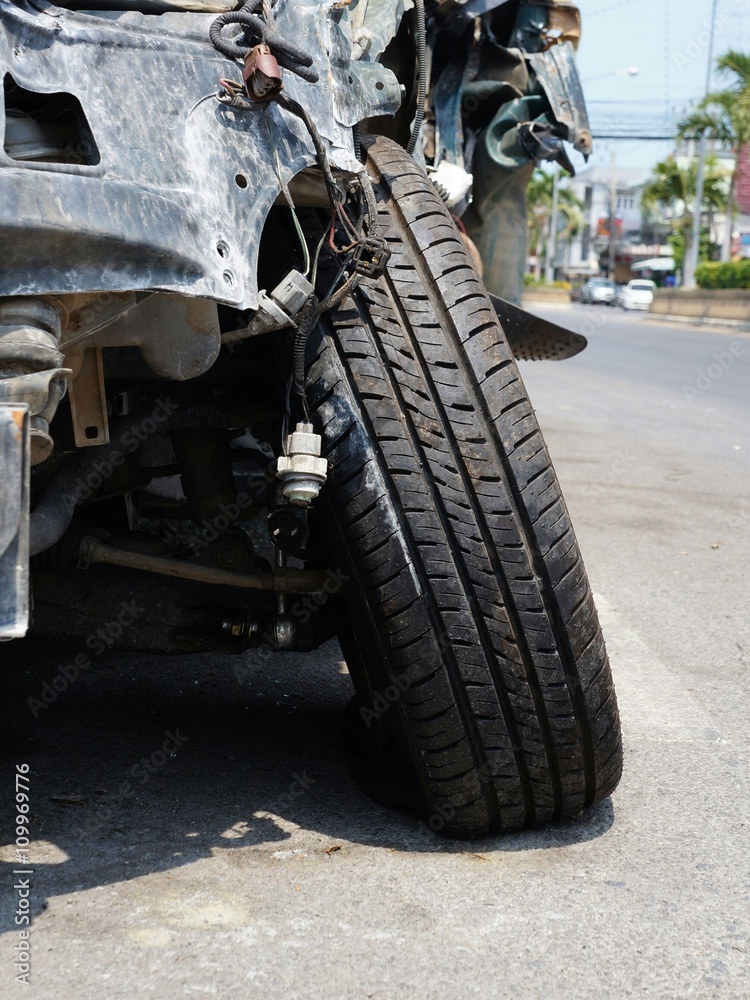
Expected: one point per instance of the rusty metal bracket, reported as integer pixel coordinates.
(88, 401)
(15, 461)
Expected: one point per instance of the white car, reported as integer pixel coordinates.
(598, 291)
(637, 294)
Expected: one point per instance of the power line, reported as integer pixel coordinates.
(639, 120)
(640, 100)
(612, 6)
(631, 137)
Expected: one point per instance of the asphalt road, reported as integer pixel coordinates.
(246, 862)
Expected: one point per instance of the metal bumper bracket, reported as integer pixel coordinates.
(15, 461)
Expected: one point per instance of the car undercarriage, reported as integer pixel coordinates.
(254, 391)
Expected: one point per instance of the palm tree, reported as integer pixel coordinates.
(673, 183)
(724, 116)
(539, 195)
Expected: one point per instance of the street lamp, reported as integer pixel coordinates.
(628, 71)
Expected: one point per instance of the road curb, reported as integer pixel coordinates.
(704, 322)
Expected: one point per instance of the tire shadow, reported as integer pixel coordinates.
(147, 763)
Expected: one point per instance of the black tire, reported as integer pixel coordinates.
(477, 638)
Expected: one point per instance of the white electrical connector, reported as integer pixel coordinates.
(292, 293)
(275, 310)
(302, 471)
(285, 300)
(453, 180)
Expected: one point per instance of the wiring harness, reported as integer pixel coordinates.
(352, 236)
(258, 32)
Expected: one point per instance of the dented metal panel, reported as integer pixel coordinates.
(557, 73)
(178, 192)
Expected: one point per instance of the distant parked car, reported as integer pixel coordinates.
(599, 291)
(637, 294)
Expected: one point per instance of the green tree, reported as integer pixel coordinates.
(673, 184)
(539, 195)
(724, 116)
(706, 250)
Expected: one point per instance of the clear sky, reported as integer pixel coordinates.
(668, 41)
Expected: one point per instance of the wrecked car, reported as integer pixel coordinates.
(253, 384)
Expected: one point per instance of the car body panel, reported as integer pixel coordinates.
(166, 188)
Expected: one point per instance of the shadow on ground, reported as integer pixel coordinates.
(146, 763)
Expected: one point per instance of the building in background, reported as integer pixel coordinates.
(741, 236)
(741, 222)
(637, 236)
(743, 180)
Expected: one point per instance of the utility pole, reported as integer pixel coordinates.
(612, 215)
(549, 267)
(691, 259)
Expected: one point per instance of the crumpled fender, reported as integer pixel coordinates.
(176, 187)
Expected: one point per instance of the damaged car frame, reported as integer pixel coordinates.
(251, 376)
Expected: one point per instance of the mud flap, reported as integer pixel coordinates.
(14, 520)
(533, 338)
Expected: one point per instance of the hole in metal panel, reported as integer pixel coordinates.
(46, 128)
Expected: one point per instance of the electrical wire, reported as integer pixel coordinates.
(365, 252)
(314, 275)
(320, 151)
(290, 203)
(307, 318)
(421, 76)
